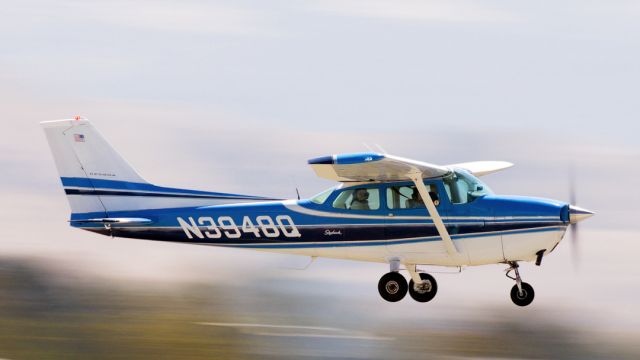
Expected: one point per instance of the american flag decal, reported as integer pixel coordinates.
(78, 137)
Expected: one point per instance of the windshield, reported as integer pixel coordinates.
(462, 187)
(322, 197)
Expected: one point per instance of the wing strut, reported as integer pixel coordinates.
(435, 216)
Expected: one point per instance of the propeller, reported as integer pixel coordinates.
(576, 214)
(573, 233)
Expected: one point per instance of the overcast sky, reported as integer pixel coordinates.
(236, 96)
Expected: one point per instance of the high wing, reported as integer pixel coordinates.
(373, 167)
(480, 168)
(384, 167)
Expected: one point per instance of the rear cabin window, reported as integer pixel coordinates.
(408, 197)
(358, 199)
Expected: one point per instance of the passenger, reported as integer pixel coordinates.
(360, 200)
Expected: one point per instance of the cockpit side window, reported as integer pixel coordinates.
(408, 197)
(463, 187)
(360, 198)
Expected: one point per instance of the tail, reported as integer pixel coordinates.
(99, 182)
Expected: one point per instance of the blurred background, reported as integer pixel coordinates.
(235, 96)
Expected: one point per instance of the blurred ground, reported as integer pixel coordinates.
(47, 312)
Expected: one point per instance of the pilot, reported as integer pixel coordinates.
(416, 199)
(433, 192)
(360, 200)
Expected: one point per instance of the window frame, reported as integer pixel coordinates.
(427, 183)
(451, 187)
(352, 190)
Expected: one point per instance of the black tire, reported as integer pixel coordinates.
(525, 298)
(428, 292)
(392, 286)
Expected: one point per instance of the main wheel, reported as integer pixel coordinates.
(392, 286)
(522, 299)
(423, 292)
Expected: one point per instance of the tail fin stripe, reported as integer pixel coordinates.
(151, 194)
(101, 184)
(98, 180)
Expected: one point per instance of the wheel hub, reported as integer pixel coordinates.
(392, 287)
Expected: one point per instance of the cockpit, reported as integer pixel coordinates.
(462, 187)
(459, 186)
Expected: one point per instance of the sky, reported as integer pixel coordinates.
(235, 96)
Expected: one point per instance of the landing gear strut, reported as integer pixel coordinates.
(521, 293)
(426, 290)
(422, 286)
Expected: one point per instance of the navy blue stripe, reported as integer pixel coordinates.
(150, 194)
(317, 233)
(127, 185)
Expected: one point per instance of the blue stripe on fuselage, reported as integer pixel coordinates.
(133, 186)
(484, 217)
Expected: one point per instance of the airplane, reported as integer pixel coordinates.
(385, 209)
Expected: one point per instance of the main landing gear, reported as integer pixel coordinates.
(393, 286)
(521, 293)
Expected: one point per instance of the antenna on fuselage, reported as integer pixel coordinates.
(295, 185)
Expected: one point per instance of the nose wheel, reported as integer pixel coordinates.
(522, 294)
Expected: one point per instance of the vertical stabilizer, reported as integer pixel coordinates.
(83, 158)
(99, 182)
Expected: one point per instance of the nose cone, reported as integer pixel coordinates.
(578, 214)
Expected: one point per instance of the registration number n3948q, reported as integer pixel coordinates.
(264, 226)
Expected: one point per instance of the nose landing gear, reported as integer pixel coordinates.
(522, 294)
